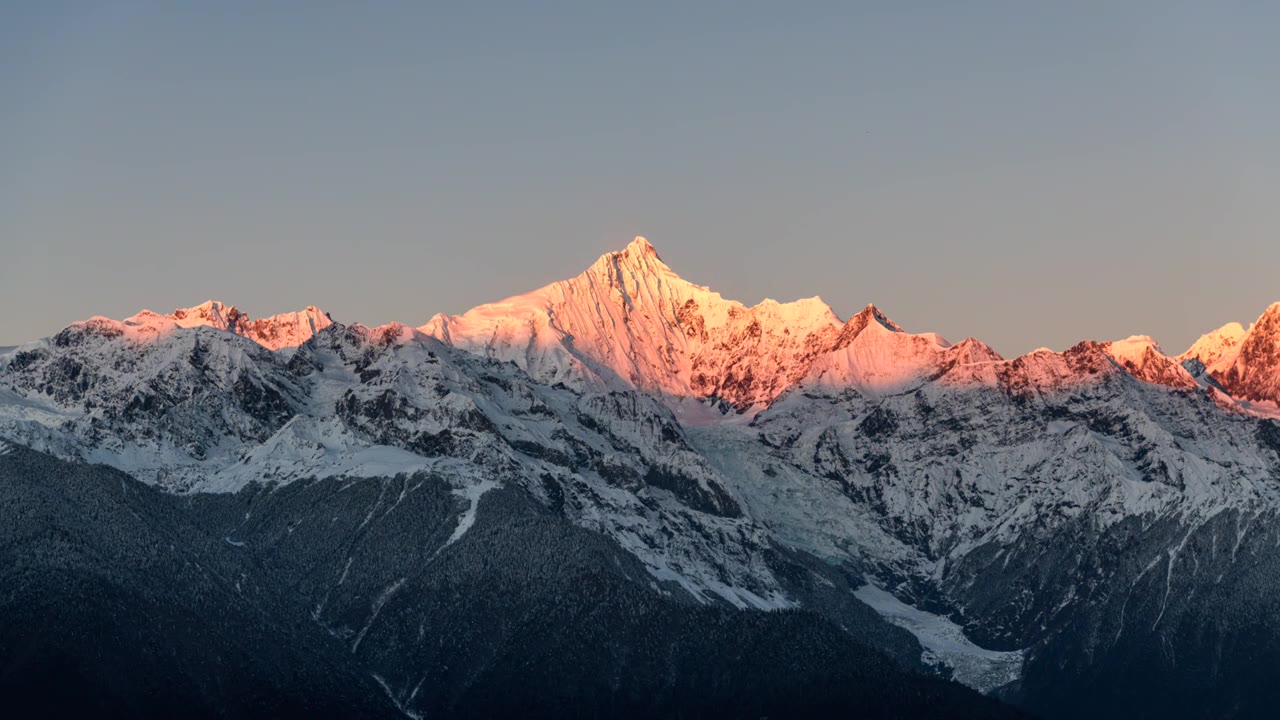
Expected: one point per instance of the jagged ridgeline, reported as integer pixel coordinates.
(625, 494)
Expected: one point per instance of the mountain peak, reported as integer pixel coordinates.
(868, 317)
(1142, 358)
(642, 246)
(1138, 341)
(1214, 345)
(876, 314)
(639, 259)
(630, 321)
(285, 330)
(1271, 313)
(212, 313)
(1246, 363)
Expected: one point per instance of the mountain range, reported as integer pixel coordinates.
(625, 494)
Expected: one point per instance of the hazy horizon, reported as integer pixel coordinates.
(1028, 176)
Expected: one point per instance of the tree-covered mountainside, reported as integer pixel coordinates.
(351, 598)
(114, 603)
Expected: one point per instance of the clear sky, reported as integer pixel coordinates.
(1025, 174)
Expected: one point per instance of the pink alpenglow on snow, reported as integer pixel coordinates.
(277, 332)
(1248, 366)
(629, 321)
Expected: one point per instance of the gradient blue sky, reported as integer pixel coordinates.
(1024, 174)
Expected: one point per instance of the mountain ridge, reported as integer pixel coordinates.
(764, 458)
(629, 321)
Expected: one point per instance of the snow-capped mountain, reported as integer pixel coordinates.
(286, 330)
(1068, 510)
(630, 322)
(1246, 365)
(1142, 358)
(1214, 345)
(148, 396)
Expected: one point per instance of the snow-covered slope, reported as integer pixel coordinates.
(963, 454)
